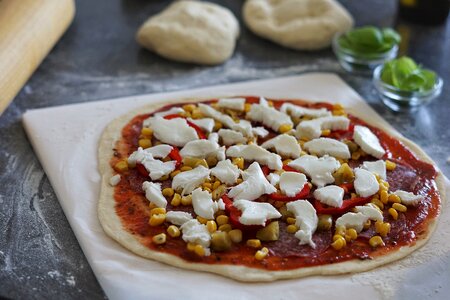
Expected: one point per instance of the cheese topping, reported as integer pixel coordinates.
(331, 195)
(366, 183)
(255, 213)
(171, 111)
(260, 131)
(226, 172)
(197, 233)
(213, 137)
(232, 103)
(368, 141)
(203, 204)
(178, 217)
(267, 115)
(153, 193)
(206, 124)
(154, 167)
(159, 151)
(175, 132)
(358, 219)
(253, 186)
(298, 111)
(312, 129)
(376, 167)
(230, 137)
(320, 170)
(370, 211)
(273, 178)
(256, 153)
(285, 145)
(202, 149)
(408, 198)
(306, 219)
(291, 183)
(189, 180)
(327, 146)
(114, 180)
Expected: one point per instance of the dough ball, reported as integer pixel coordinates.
(191, 31)
(297, 24)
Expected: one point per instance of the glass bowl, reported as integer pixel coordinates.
(360, 63)
(398, 100)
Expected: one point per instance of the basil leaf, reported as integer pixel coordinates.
(366, 36)
(390, 36)
(413, 82)
(430, 79)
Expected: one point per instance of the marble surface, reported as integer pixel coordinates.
(98, 58)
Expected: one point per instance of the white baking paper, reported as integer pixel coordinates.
(65, 139)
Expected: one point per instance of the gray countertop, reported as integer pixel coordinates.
(98, 58)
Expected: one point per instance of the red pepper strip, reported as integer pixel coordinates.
(265, 170)
(347, 187)
(346, 206)
(290, 169)
(300, 195)
(199, 131)
(175, 155)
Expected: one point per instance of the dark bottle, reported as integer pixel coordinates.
(429, 12)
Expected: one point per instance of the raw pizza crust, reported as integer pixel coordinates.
(113, 226)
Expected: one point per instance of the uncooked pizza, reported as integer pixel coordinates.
(261, 189)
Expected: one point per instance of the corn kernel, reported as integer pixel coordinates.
(394, 198)
(338, 236)
(216, 184)
(197, 114)
(285, 128)
(151, 205)
(157, 211)
(351, 234)
(384, 196)
(353, 195)
(145, 131)
(239, 181)
(202, 220)
(185, 168)
(145, 143)
(390, 166)
(199, 250)
(261, 254)
(393, 213)
(219, 192)
(121, 166)
(189, 107)
(190, 246)
(376, 241)
(356, 155)
(286, 161)
(340, 230)
(339, 243)
(159, 238)
(207, 185)
(378, 203)
(235, 235)
(225, 227)
(217, 125)
(399, 207)
(156, 220)
(254, 243)
(168, 192)
(207, 189)
(222, 219)
(247, 107)
(211, 226)
(194, 162)
(292, 228)
(176, 200)
(174, 173)
(270, 103)
(367, 224)
(326, 132)
(382, 228)
(290, 220)
(173, 231)
(165, 177)
(239, 162)
(186, 200)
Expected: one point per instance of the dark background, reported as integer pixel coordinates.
(98, 58)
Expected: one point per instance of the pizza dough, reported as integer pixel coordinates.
(297, 24)
(191, 31)
(112, 224)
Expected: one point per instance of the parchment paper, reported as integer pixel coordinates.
(66, 138)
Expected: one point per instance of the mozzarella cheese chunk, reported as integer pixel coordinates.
(159, 151)
(153, 193)
(202, 149)
(206, 124)
(331, 195)
(256, 213)
(213, 137)
(230, 137)
(114, 180)
(256, 153)
(370, 212)
(285, 145)
(203, 204)
(253, 186)
(327, 146)
(312, 129)
(175, 132)
(306, 219)
(273, 178)
(260, 131)
(195, 232)
(408, 198)
(356, 220)
(376, 167)
(267, 115)
(189, 180)
(366, 184)
(171, 111)
(368, 141)
(154, 167)
(299, 111)
(226, 172)
(178, 217)
(320, 170)
(232, 103)
(291, 183)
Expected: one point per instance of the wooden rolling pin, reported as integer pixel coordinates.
(28, 31)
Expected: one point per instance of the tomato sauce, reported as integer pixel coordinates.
(411, 174)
